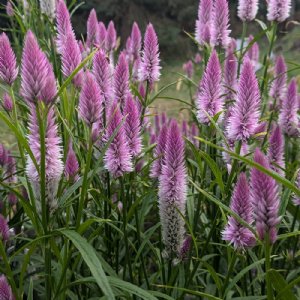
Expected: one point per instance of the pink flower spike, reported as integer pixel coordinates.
(241, 237)
(230, 77)
(278, 10)
(9, 9)
(7, 103)
(102, 35)
(111, 37)
(72, 165)
(220, 24)
(136, 41)
(150, 68)
(204, 22)
(5, 289)
(209, 98)
(90, 101)
(247, 10)
(8, 62)
(279, 86)
(4, 230)
(93, 36)
(265, 199)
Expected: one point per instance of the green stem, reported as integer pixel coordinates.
(230, 270)
(268, 267)
(85, 180)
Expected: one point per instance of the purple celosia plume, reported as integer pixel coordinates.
(278, 87)
(71, 59)
(4, 229)
(159, 153)
(230, 76)
(90, 105)
(150, 68)
(288, 118)
(188, 68)
(93, 37)
(276, 151)
(53, 157)
(121, 80)
(5, 289)
(102, 35)
(9, 9)
(101, 71)
(204, 22)
(37, 77)
(133, 126)
(240, 236)
(209, 99)
(117, 158)
(135, 70)
(3, 155)
(278, 10)
(245, 112)
(296, 199)
(185, 128)
(63, 24)
(11, 177)
(194, 131)
(186, 247)
(8, 62)
(172, 192)
(7, 103)
(136, 41)
(220, 24)
(253, 51)
(265, 199)
(247, 10)
(164, 118)
(111, 37)
(72, 165)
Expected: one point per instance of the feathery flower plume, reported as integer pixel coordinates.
(247, 10)
(186, 247)
(4, 229)
(111, 37)
(9, 9)
(53, 158)
(159, 153)
(102, 35)
(278, 10)
(253, 52)
(230, 76)
(276, 151)
(11, 177)
(278, 87)
(90, 101)
(121, 80)
(5, 289)
(7, 103)
(133, 126)
(245, 112)
(37, 77)
(163, 118)
(136, 41)
(172, 192)
(198, 58)
(72, 165)
(265, 199)
(8, 62)
(235, 233)
(188, 68)
(117, 157)
(3, 155)
(71, 59)
(101, 71)
(184, 128)
(63, 25)
(135, 70)
(48, 8)
(203, 23)
(93, 37)
(149, 69)
(127, 50)
(296, 199)
(194, 131)
(220, 24)
(288, 118)
(209, 98)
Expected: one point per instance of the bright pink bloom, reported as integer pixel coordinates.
(90, 101)
(230, 76)
(247, 10)
(102, 35)
(136, 41)
(188, 68)
(245, 113)
(278, 87)
(93, 37)
(235, 233)
(150, 68)
(8, 62)
(72, 165)
(111, 37)
(5, 289)
(253, 52)
(220, 24)
(209, 98)
(172, 192)
(204, 22)
(7, 103)
(133, 126)
(288, 118)
(117, 158)
(265, 199)
(278, 10)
